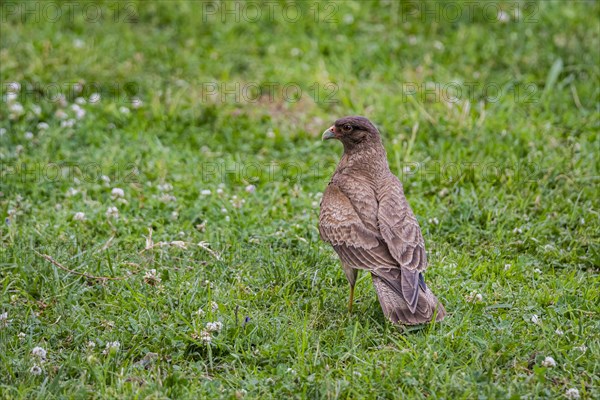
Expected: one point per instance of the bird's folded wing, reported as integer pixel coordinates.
(340, 224)
(402, 234)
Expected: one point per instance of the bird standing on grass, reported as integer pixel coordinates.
(367, 220)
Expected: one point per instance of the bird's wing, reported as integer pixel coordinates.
(357, 246)
(401, 232)
(340, 224)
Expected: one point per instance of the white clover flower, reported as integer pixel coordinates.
(572, 393)
(291, 371)
(549, 362)
(535, 319)
(205, 337)
(105, 179)
(13, 87)
(438, 45)
(219, 191)
(72, 192)
(165, 187)
(205, 192)
(16, 108)
(167, 198)
(112, 212)
(79, 112)
(583, 348)
(111, 347)
(507, 266)
(79, 216)
(214, 326)
(559, 332)
(28, 135)
(95, 98)
(136, 103)
(250, 188)
(124, 110)
(90, 344)
(4, 321)
(474, 297)
(434, 221)
(224, 210)
(117, 192)
(69, 123)
(43, 126)
(503, 16)
(39, 352)
(537, 271)
(78, 43)
(10, 97)
(270, 134)
(35, 370)
(214, 306)
(517, 231)
(21, 335)
(37, 110)
(200, 312)
(80, 100)
(151, 278)
(227, 218)
(174, 215)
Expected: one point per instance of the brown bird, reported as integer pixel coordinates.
(367, 220)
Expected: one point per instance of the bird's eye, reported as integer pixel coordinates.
(347, 128)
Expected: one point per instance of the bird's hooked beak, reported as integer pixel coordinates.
(329, 133)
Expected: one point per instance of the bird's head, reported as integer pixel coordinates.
(352, 132)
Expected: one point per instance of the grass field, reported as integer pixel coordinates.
(166, 155)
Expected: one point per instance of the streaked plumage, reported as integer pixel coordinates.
(369, 223)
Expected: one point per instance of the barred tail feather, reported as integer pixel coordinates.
(396, 309)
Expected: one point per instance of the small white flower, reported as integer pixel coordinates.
(79, 112)
(72, 192)
(112, 212)
(412, 40)
(136, 103)
(356, 373)
(10, 96)
(199, 312)
(78, 43)
(90, 344)
(39, 352)
(250, 188)
(124, 110)
(214, 326)
(167, 198)
(21, 335)
(151, 278)
(438, 45)
(28, 135)
(2, 131)
(507, 267)
(549, 362)
(95, 98)
(224, 210)
(537, 271)
(80, 100)
(37, 110)
(79, 216)
(227, 218)
(572, 393)
(205, 337)
(535, 319)
(205, 192)
(559, 332)
(13, 87)
(434, 221)
(291, 371)
(474, 297)
(16, 108)
(165, 187)
(69, 123)
(43, 126)
(105, 179)
(4, 321)
(219, 191)
(60, 114)
(270, 134)
(517, 231)
(295, 52)
(117, 192)
(174, 215)
(35, 370)
(214, 306)
(583, 348)
(111, 347)
(503, 16)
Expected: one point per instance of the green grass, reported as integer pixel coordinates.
(504, 182)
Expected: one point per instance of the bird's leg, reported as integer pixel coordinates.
(351, 298)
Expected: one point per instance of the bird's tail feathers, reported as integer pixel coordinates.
(397, 310)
